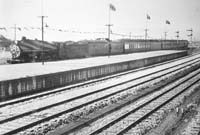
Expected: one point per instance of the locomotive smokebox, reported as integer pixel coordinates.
(15, 50)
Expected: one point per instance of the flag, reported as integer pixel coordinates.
(168, 22)
(112, 7)
(148, 17)
(46, 25)
(19, 28)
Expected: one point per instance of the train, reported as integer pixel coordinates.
(28, 50)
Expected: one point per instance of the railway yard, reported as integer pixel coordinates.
(100, 67)
(158, 99)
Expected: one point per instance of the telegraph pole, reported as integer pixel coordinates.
(109, 44)
(15, 33)
(111, 7)
(42, 28)
(146, 33)
(146, 36)
(191, 34)
(165, 35)
(146, 30)
(177, 35)
(109, 25)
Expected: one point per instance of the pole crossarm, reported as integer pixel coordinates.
(191, 34)
(177, 34)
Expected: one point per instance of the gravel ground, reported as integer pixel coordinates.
(106, 119)
(92, 124)
(89, 109)
(154, 120)
(177, 122)
(147, 124)
(193, 127)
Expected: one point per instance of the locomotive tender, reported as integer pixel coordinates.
(34, 50)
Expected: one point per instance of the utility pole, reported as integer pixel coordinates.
(191, 34)
(146, 30)
(177, 35)
(42, 28)
(15, 33)
(146, 36)
(109, 44)
(109, 25)
(165, 35)
(109, 30)
(111, 7)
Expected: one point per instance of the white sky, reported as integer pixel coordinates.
(92, 15)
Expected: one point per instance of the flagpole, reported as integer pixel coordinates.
(109, 46)
(111, 7)
(109, 25)
(146, 30)
(165, 35)
(145, 36)
(166, 31)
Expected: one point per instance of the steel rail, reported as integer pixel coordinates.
(58, 114)
(97, 91)
(52, 91)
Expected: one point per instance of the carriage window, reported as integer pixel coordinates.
(126, 46)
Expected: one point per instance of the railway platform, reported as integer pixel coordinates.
(20, 79)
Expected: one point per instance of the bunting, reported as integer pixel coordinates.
(48, 28)
(3, 28)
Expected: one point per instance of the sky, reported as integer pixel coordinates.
(87, 19)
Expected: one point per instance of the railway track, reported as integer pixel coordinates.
(92, 82)
(126, 119)
(193, 127)
(16, 122)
